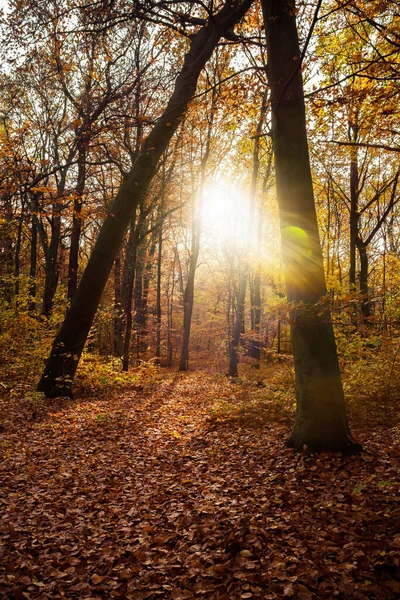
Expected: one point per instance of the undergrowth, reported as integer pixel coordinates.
(369, 363)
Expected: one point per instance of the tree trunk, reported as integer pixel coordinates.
(321, 420)
(17, 265)
(233, 357)
(51, 258)
(159, 267)
(33, 266)
(171, 315)
(188, 300)
(144, 313)
(365, 307)
(129, 269)
(7, 257)
(138, 298)
(68, 346)
(256, 344)
(354, 214)
(239, 323)
(118, 312)
(77, 222)
(188, 296)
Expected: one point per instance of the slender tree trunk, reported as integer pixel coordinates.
(354, 214)
(138, 298)
(118, 312)
(51, 258)
(68, 345)
(159, 267)
(251, 292)
(365, 307)
(321, 420)
(131, 256)
(17, 266)
(33, 265)
(171, 316)
(144, 313)
(233, 355)
(7, 256)
(256, 343)
(77, 222)
(188, 298)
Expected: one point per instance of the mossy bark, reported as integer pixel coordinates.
(321, 420)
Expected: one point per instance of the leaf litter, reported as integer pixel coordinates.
(184, 489)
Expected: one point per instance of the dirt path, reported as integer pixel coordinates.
(184, 489)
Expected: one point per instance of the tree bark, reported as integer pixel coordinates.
(233, 355)
(138, 297)
(354, 214)
(129, 269)
(365, 306)
(17, 261)
(68, 346)
(33, 266)
(118, 312)
(77, 222)
(321, 420)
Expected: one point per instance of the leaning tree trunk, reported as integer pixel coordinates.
(321, 420)
(68, 345)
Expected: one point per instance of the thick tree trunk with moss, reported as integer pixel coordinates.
(68, 345)
(321, 420)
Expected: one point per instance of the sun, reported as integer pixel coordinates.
(225, 213)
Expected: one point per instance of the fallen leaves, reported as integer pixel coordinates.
(177, 495)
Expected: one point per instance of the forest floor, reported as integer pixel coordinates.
(180, 487)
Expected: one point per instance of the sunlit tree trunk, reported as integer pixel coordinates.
(321, 420)
(68, 345)
(188, 297)
(233, 355)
